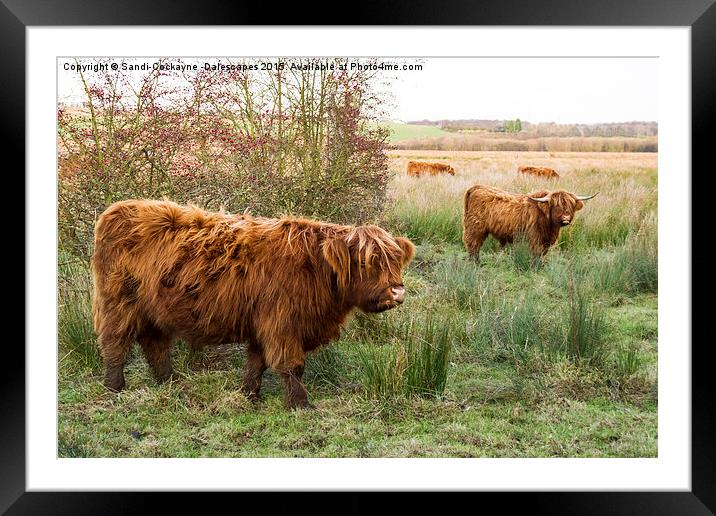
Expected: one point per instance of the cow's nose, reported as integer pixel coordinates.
(398, 294)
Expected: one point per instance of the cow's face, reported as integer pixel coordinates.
(451, 171)
(368, 265)
(563, 206)
(560, 206)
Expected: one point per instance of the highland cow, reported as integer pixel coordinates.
(538, 217)
(418, 168)
(284, 286)
(538, 171)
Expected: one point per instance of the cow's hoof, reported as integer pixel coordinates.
(169, 377)
(302, 406)
(251, 395)
(114, 387)
(254, 399)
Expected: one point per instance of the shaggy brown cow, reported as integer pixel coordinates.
(538, 171)
(285, 286)
(418, 168)
(538, 216)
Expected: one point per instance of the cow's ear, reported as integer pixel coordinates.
(539, 194)
(408, 249)
(337, 254)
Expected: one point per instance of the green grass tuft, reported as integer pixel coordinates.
(416, 363)
(628, 360)
(585, 328)
(427, 357)
(76, 336)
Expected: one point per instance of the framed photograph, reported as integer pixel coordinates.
(448, 253)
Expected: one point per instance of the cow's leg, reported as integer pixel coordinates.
(156, 347)
(538, 247)
(295, 395)
(254, 370)
(291, 371)
(474, 238)
(284, 352)
(114, 350)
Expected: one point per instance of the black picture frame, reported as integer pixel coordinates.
(17, 15)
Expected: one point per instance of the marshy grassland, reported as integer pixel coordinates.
(513, 357)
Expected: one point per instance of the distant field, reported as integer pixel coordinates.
(413, 136)
(401, 132)
(508, 161)
(487, 142)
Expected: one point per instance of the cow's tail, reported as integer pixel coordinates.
(466, 203)
(98, 280)
(97, 315)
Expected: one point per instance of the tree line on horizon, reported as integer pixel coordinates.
(629, 129)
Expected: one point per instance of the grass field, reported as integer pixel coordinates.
(401, 132)
(511, 358)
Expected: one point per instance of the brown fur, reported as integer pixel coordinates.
(538, 171)
(490, 211)
(285, 286)
(418, 168)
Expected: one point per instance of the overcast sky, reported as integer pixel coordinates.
(568, 90)
(574, 90)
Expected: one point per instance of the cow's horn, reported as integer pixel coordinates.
(540, 199)
(585, 197)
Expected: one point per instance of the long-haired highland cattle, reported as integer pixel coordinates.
(538, 216)
(285, 286)
(547, 172)
(424, 168)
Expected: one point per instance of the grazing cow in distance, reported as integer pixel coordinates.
(419, 168)
(285, 286)
(538, 216)
(538, 171)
